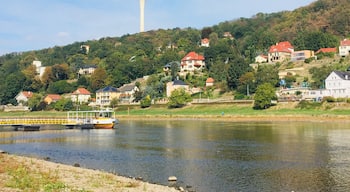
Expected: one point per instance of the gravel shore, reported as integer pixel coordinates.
(18, 173)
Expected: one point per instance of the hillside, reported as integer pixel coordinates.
(123, 59)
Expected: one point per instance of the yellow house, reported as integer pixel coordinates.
(105, 95)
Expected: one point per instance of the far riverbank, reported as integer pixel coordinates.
(222, 112)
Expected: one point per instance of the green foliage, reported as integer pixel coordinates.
(267, 74)
(264, 94)
(114, 102)
(236, 69)
(179, 98)
(308, 105)
(63, 105)
(60, 87)
(146, 102)
(329, 99)
(314, 40)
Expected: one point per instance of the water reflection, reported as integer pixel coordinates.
(208, 155)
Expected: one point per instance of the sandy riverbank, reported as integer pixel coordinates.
(19, 173)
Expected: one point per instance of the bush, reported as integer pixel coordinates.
(329, 99)
(308, 105)
(146, 102)
(179, 98)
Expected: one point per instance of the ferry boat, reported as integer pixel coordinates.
(96, 119)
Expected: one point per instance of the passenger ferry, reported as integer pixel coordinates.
(96, 119)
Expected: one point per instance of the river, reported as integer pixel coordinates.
(203, 155)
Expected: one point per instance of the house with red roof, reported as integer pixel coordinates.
(209, 82)
(280, 52)
(192, 62)
(205, 42)
(23, 96)
(51, 98)
(81, 95)
(326, 50)
(344, 48)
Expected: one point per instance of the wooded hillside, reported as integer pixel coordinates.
(120, 60)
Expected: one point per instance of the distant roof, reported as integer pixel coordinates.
(179, 82)
(127, 87)
(327, 50)
(88, 66)
(27, 94)
(54, 96)
(193, 56)
(343, 74)
(284, 46)
(107, 89)
(210, 80)
(345, 42)
(81, 91)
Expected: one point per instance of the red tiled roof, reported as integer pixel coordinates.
(81, 91)
(210, 80)
(205, 41)
(54, 96)
(27, 94)
(284, 46)
(193, 56)
(327, 50)
(345, 42)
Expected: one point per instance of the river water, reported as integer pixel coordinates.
(203, 155)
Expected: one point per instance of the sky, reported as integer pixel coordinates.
(38, 24)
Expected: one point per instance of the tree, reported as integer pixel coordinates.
(267, 74)
(114, 102)
(63, 105)
(34, 102)
(146, 102)
(264, 95)
(236, 69)
(60, 87)
(179, 98)
(98, 79)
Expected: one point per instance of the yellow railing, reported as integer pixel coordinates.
(24, 121)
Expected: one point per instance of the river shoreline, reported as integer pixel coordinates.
(241, 118)
(19, 173)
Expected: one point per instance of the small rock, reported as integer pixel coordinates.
(139, 178)
(3, 152)
(181, 189)
(47, 158)
(76, 165)
(172, 178)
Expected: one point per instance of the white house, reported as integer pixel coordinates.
(81, 95)
(192, 62)
(39, 69)
(344, 48)
(337, 85)
(23, 96)
(261, 58)
(127, 92)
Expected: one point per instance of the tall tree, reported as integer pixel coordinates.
(98, 79)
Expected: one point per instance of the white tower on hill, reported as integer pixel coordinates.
(142, 15)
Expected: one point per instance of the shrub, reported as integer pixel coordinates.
(329, 99)
(146, 102)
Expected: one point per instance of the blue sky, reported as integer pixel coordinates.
(38, 24)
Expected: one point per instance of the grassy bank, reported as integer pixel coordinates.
(341, 110)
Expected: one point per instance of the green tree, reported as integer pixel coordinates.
(267, 74)
(236, 69)
(264, 95)
(179, 98)
(146, 102)
(34, 102)
(98, 79)
(63, 105)
(60, 87)
(114, 102)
